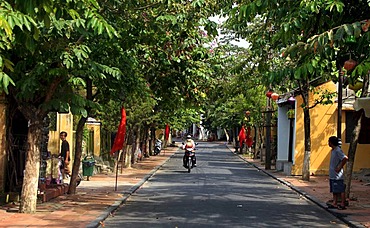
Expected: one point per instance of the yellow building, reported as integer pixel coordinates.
(324, 120)
(93, 144)
(61, 122)
(12, 169)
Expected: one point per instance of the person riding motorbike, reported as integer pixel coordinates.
(189, 143)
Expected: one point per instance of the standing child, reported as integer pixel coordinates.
(337, 160)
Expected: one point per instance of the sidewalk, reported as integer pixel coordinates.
(357, 213)
(94, 201)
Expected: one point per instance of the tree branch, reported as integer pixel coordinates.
(52, 88)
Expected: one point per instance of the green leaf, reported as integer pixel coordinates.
(30, 44)
(9, 65)
(10, 21)
(27, 23)
(47, 21)
(100, 28)
(348, 28)
(5, 80)
(340, 6)
(310, 68)
(5, 25)
(314, 63)
(357, 29)
(331, 35)
(339, 34)
(297, 73)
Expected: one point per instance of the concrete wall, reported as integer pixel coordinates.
(283, 134)
(283, 131)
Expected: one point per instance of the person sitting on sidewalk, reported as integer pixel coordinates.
(337, 160)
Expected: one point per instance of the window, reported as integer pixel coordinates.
(91, 142)
(365, 128)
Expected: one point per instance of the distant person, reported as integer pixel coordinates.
(64, 154)
(189, 143)
(337, 160)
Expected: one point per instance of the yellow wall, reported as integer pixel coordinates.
(2, 142)
(323, 125)
(64, 123)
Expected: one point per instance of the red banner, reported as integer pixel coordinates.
(167, 132)
(120, 137)
(242, 136)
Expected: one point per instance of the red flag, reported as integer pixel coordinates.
(120, 137)
(249, 140)
(167, 132)
(242, 136)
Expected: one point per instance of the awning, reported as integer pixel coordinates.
(363, 103)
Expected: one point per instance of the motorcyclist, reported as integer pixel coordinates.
(189, 143)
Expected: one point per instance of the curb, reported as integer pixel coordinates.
(313, 199)
(109, 211)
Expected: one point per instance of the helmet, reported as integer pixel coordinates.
(188, 136)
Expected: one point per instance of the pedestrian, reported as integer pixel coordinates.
(64, 154)
(337, 160)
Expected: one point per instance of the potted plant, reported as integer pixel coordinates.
(291, 113)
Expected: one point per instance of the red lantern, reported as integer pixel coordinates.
(268, 94)
(274, 96)
(350, 64)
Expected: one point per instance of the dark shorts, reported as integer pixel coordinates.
(337, 186)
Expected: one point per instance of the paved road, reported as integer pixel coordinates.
(223, 191)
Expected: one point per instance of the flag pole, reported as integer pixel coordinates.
(119, 140)
(118, 158)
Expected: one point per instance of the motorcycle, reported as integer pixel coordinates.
(157, 146)
(190, 155)
(189, 160)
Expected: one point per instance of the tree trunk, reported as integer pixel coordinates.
(354, 139)
(78, 155)
(152, 141)
(146, 143)
(136, 145)
(352, 150)
(79, 139)
(32, 168)
(128, 156)
(307, 136)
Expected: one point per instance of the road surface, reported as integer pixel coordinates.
(222, 191)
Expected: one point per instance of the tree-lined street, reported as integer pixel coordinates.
(165, 68)
(222, 191)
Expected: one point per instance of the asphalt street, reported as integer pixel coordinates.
(222, 191)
